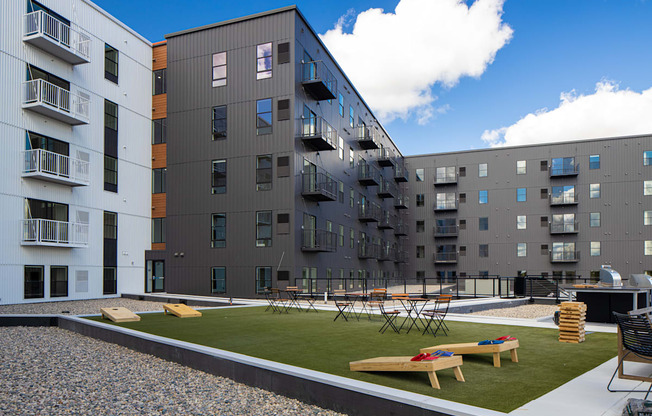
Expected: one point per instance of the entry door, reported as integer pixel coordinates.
(155, 278)
(310, 172)
(309, 227)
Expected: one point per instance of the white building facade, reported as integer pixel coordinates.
(75, 128)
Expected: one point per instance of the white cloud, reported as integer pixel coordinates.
(608, 112)
(395, 58)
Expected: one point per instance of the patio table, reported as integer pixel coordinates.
(410, 305)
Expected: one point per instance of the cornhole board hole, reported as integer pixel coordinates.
(180, 310)
(119, 314)
(474, 348)
(404, 364)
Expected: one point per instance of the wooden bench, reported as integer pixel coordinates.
(404, 364)
(474, 348)
(119, 314)
(180, 310)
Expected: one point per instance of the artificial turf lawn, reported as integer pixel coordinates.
(314, 341)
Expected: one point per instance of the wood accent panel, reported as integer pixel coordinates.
(159, 106)
(158, 246)
(160, 56)
(158, 205)
(159, 155)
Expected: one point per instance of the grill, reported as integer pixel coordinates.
(610, 277)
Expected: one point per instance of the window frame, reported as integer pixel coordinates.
(38, 284)
(159, 82)
(521, 194)
(594, 162)
(219, 124)
(595, 218)
(264, 175)
(110, 173)
(521, 249)
(419, 174)
(158, 230)
(218, 230)
(521, 225)
(262, 57)
(159, 131)
(110, 73)
(261, 114)
(55, 284)
(595, 248)
(218, 177)
(483, 197)
(594, 191)
(521, 170)
(263, 229)
(159, 180)
(219, 79)
(483, 170)
(267, 279)
(340, 101)
(215, 279)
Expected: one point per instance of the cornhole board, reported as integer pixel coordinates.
(119, 314)
(180, 310)
(474, 348)
(404, 364)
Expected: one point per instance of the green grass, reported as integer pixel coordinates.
(314, 341)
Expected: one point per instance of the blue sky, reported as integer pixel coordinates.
(557, 47)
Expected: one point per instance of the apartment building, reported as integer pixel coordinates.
(75, 123)
(561, 209)
(277, 171)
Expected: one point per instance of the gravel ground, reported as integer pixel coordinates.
(523, 311)
(80, 307)
(51, 371)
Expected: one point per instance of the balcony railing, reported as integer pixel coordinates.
(386, 157)
(564, 256)
(42, 232)
(387, 253)
(386, 189)
(445, 205)
(563, 199)
(368, 175)
(316, 133)
(57, 38)
(53, 101)
(319, 187)
(446, 257)
(402, 256)
(564, 228)
(401, 228)
(318, 240)
(401, 173)
(366, 137)
(53, 167)
(318, 80)
(565, 170)
(446, 230)
(446, 179)
(387, 221)
(402, 201)
(369, 212)
(367, 250)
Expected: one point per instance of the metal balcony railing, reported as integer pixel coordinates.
(565, 170)
(43, 232)
(387, 221)
(318, 80)
(445, 205)
(318, 240)
(56, 37)
(401, 173)
(53, 101)
(401, 229)
(317, 133)
(446, 179)
(446, 230)
(445, 257)
(366, 137)
(387, 253)
(318, 186)
(563, 199)
(386, 157)
(368, 250)
(564, 256)
(386, 189)
(369, 212)
(54, 167)
(368, 175)
(402, 201)
(564, 228)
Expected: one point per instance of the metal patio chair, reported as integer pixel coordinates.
(636, 335)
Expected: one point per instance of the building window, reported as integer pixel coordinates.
(521, 167)
(482, 170)
(421, 252)
(263, 279)
(264, 116)
(264, 229)
(158, 230)
(110, 174)
(595, 248)
(594, 162)
(647, 188)
(351, 117)
(110, 225)
(420, 174)
(483, 197)
(563, 194)
(218, 179)
(563, 251)
(110, 115)
(421, 226)
(351, 198)
(218, 279)
(563, 166)
(219, 69)
(110, 281)
(34, 285)
(218, 230)
(352, 238)
(159, 131)
(420, 200)
(462, 198)
(340, 147)
(563, 223)
(159, 81)
(483, 223)
(340, 192)
(594, 219)
(351, 157)
(521, 222)
(159, 180)
(521, 194)
(341, 236)
(264, 61)
(340, 101)
(264, 173)
(483, 250)
(594, 190)
(219, 122)
(648, 248)
(521, 249)
(446, 200)
(462, 224)
(58, 281)
(647, 158)
(110, 63)
(647, 218)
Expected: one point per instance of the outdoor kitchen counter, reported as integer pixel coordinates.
(602, 301)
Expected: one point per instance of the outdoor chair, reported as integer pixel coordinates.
(276, 301)
(343, 306)
(376, 298)
(437, 316)
(636, 336)
(390, 319)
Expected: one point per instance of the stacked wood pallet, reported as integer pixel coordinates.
(572, 317)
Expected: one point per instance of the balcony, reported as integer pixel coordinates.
(566, 170)
(318, 187)
(318, 241)
(443, 231)
(387, 253)
(564, 256)
(369, 212)
(402, 256)
(53, 167)
(45, 98)
(401, 229)
(445, 257)
(386, 189)
(385, 157)
(43, 232)
(366, 137)
(368, 175)
(565, 228)
(446, 206)
(402, 201)
(318, 81)
(446, 179)
(563, 199)
(56, 37)
(387, 221)
(367, 250)
(401, 173)
(316, 133)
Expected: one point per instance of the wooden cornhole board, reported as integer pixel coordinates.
(404, 364)
(180, 310)
(119, 314)
(474, 348)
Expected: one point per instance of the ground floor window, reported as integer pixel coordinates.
(110, 281)
(34, 282)
(218, 280)
(263, 279)
(58, 281)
